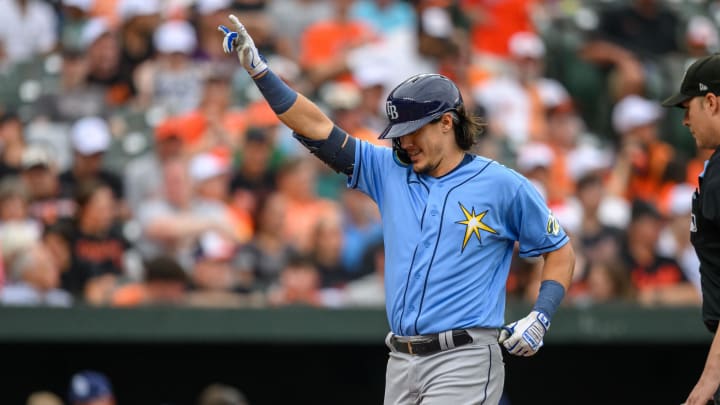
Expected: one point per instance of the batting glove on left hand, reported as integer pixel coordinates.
(525, 337)
(241, 42)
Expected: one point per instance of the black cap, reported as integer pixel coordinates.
(702, 77)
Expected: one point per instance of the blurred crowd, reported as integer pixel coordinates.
(93, 387)
(139, 165)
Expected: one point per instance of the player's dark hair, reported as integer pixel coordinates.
(468, 128)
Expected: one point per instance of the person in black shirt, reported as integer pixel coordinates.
(699, 95)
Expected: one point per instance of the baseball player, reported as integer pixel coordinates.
(700, 97)
(450, 222)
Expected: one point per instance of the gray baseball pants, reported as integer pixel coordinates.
(472, 374)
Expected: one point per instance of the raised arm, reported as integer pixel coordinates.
(294, 110)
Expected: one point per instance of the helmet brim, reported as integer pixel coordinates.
(399, 129)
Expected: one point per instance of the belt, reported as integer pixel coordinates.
(430, 344)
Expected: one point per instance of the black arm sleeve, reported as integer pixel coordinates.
(337, 151)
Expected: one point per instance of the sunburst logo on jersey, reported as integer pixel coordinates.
(473, 224)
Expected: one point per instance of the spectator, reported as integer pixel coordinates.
(171, 80)
(215, 123)
(210, 14)
(28, 28)
(326, 251)
(91, 138)
(606, 282)
(39, 174)
(267, 254)
(534, 161)
(97, 245)
(143, 177)
(296, 181)
(254, 178)
(290, 19)
(298, 284)
(221, 394)
(643, 159)
(43, 398)
(210, 174)
(599, 237)
(631, 38)
(56, 239)
(325, 44)
(492, 25)
(216, 282)
(90, 387)
(516, 101)
(385, 16)
(345, 102)
(17, 229)
(164, 283)
(74, 14)
(168, 224)
(34, 280)
(73, 97)
(658, 280)
(138, 21)
(13, 143)
(102, 52)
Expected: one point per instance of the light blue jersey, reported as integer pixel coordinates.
(449, 240)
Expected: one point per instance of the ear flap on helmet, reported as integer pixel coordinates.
(399, 153)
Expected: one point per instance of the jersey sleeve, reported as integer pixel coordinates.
(371, 162)
(538, 230)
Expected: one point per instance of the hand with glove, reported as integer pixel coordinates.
(525, 337)
(241, 42)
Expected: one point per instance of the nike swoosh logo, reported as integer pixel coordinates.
(252, 64)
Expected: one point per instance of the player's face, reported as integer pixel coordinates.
(699, 113)
(432, 148)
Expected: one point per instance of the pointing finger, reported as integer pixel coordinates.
(223, 29)
(240, 27)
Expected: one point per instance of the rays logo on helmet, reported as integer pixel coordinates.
(553, 225)
(391, 110)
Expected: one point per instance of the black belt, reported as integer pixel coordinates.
(429, 344)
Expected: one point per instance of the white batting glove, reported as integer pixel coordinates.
(525, 337)
(241, 42)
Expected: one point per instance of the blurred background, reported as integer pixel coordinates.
(165, 240)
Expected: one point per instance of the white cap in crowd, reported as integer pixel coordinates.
(175, 36)
(437, 23)
(526, 45)
(205, 166)
(534, 155)
(586, 159)
(93, 30)
(35, 156)
(341, 96)
(205, 7)
(634, 111)
(702, 31)
(90, 135)
(128, 9)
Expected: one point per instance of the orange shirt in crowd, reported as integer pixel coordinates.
(647, 180)
(498, 22)
(302, 217)
(192, 127)
(325, 41)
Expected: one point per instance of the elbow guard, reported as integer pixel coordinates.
(337, 151)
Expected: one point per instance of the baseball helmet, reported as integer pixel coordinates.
(419, 100)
